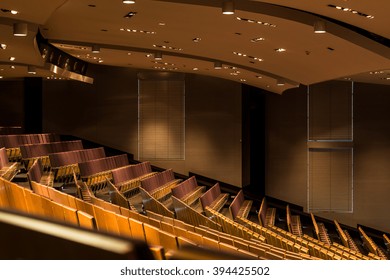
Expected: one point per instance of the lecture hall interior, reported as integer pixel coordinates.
(195, 129)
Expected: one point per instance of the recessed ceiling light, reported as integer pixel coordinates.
(101, 61)
(128, 2)
(242, 80)
(280, 50)
(12, 58)
(161, 23)
(259, 77)
(129, 53)
(255, 40)
(130, 14)
(195, 68)
(196, 40)
(12, 67)
(14, 12)
(3, 46)
(1, 77)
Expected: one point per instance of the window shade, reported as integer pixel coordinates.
(330, 180)
(330, 112)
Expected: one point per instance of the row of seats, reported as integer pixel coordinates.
(128, 178)
(13, 142)
(31, 152)
(65, 164)
(95, 173)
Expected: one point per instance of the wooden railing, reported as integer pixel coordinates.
(189, 192)
(214, 199)
(371, 245)
(8, 170)
(293, 222)
(239, 206)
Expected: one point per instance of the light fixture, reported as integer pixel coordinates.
(3, 46)
(128, 2)
(1, 77)
(319, 27)
(12, 58)
(14, 12)
(31, 69)
(158, 55)
(95, 49)
(280, 82)
(20, 29)
(228, 7)
(217, 65)
(280, 50)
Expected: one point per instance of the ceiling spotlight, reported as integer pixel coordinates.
(280, 82)
(14, 12)
(3, 46)
(319, 27)
(12, 58)
(20, 29)
(228, 7)
(95, 49)
(128, 2)
(158, 55)
(31, 69)
(280, 50)
(217, 65)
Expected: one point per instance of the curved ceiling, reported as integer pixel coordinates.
(267, 44)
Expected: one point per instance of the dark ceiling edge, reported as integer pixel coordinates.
(143, 50)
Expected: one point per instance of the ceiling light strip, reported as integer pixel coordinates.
(352, 11)
(256, 21)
